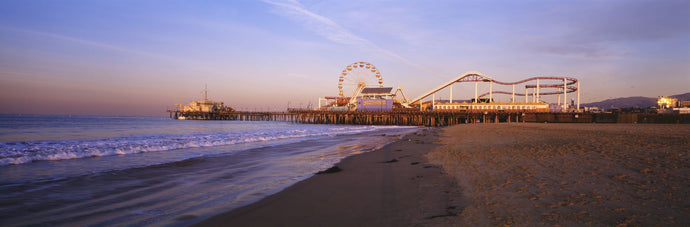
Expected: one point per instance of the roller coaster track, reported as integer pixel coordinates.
(563, 82)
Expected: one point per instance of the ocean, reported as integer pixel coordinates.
(140, 171)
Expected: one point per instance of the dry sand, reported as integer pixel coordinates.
(497, 175)
(569, 174)
(393, 186)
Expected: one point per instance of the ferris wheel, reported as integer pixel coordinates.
(358, 74)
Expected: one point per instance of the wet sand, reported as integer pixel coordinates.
(497, 175)
(393, 186)
(570, 174)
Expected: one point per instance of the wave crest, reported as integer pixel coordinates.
(30, 151)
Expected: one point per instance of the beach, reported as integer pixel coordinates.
(496, 175)
(570, 174)
(393, 186)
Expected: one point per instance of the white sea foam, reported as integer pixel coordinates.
(29, 151)
(228, 164)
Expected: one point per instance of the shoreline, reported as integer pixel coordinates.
(178, 187)
(392, 186)
(494, 175)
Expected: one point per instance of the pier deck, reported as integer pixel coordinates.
(429, 118)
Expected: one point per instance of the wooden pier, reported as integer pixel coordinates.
(411, 118)
(429, 118)
(231, 115)
(408, 118)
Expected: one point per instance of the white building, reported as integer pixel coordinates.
(204, 106)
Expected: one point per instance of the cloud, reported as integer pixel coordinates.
(176, 61)
(88, 43)
(634, 21)
(333, 31)
(587, 50)
(606, 29)
(321, 25)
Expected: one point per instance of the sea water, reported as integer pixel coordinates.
(104, 170)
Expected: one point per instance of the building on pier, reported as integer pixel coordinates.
(375, 99)
(485, 106)
(205, 106)
(366, 99)
(376, 93)
(202, 109)
(672, 105)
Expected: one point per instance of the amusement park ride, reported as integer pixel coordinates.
(355, 81)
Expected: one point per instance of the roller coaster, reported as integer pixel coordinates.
(532, 88)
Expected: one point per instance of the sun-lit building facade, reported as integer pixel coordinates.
(204, 106)
(666, 102)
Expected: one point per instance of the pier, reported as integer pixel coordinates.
(430, 118)
(403, 117)
(231, 115)
(378, 105)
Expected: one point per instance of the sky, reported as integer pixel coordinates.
(141, 57)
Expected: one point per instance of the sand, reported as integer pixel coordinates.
(393, 186)
(569, 174)
(512, 174)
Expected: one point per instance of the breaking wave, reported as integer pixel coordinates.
(30, 151)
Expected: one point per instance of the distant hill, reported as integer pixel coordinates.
(637, 102)
(682, 97)
(634, 102)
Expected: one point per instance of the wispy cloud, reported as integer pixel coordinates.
(87, 43)
(188, 63)
(333, 31)
(608, 29)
